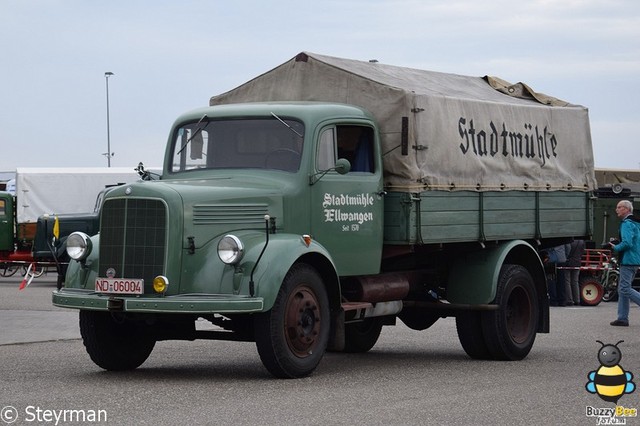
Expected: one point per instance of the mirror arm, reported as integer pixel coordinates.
(317, 176)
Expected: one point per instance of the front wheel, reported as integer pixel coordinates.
(511, 330)
(114, 345)
(292, 337)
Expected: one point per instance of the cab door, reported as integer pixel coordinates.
(347, 209)
(6, 221)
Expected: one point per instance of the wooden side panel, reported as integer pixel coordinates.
(464, 216)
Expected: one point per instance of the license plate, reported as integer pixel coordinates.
(120, 285)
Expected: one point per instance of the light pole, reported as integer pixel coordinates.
(108, 153)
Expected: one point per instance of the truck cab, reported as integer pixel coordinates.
(248, 191)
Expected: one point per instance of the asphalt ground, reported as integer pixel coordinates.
(28, 316)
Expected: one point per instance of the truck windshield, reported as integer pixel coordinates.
(256, 143)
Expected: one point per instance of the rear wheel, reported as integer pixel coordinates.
(114, 345)
(292, 337)
(362, 336)
(510, 330)
(591, 292)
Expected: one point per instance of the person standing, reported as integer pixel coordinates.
(572, 275)
(629, 260)
(556, 257)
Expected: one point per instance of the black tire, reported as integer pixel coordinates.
(469, 327)
(611, 287)
(112, 345)
(591, 291)
(510, 330)
(361, 336)
(292, 337)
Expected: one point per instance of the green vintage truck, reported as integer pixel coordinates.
(327, 198)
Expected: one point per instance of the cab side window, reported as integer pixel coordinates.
(354, 143)
(327, 149)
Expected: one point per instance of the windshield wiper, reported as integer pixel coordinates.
(286, 124)
(198, 130)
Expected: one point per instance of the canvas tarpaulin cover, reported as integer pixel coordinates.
(464, 133)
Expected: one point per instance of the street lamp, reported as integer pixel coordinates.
(109, 154)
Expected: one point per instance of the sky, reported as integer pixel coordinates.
(168, 57)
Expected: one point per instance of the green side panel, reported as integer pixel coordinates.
(399, 210)
(462, 216)
(6, 221)
(564, 213)
(449, 216)
(509, 215)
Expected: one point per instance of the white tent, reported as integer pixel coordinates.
(64, 190)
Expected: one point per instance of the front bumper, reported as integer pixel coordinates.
(185, 303)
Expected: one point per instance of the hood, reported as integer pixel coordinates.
(210, 207)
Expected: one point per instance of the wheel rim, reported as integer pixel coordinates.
(608, 295)
(591, 293)
(302, 322)
(519, 315)
(611, 289)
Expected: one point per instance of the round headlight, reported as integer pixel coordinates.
(230, 249)
(78, 246)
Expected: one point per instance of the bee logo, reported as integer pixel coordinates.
(610, 381)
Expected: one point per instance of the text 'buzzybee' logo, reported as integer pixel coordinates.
(610, 381)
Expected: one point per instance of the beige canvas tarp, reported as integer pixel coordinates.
(464, 133)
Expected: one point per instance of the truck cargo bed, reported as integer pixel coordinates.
(466, 216)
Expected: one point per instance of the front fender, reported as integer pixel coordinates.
(79, 274)
(282, 251)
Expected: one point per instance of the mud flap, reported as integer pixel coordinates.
(336, 336)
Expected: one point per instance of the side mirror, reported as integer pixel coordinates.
(343, 166)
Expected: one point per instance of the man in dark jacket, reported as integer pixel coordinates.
(629, 260)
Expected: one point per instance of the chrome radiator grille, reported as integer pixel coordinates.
(133, 234)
